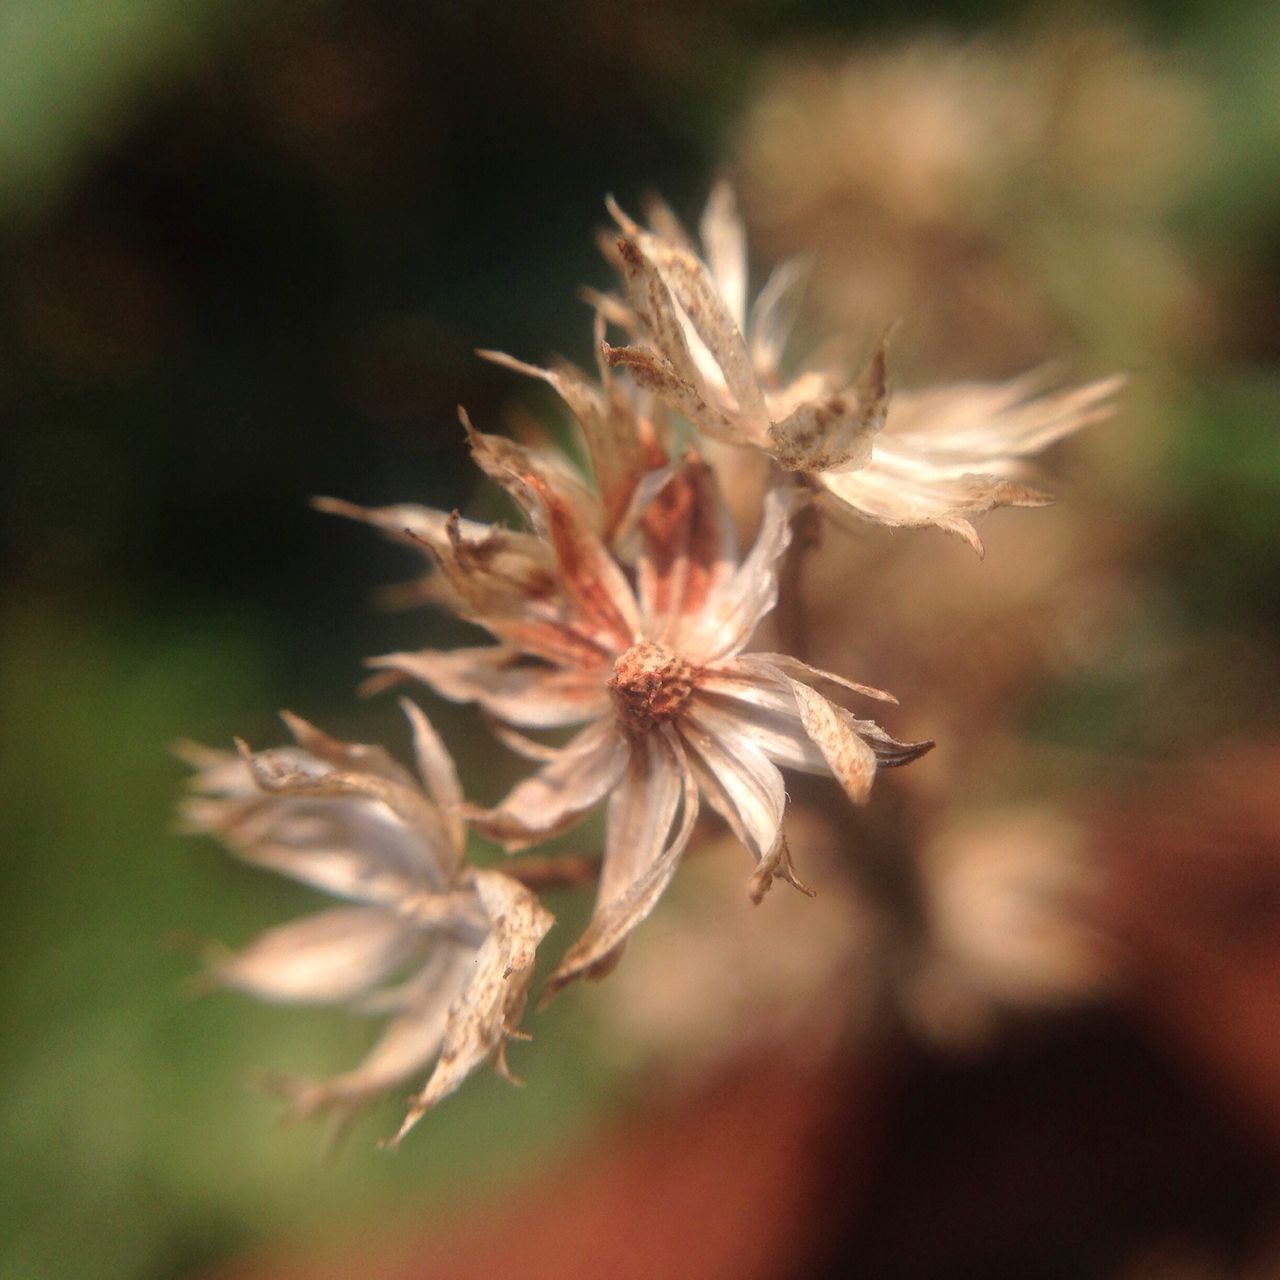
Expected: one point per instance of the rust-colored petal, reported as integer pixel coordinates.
(735, 607)
(686, 549)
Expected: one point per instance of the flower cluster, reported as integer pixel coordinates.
(625, 611)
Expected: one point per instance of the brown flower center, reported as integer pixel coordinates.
(649, 684)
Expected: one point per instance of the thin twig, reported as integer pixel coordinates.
(793, 614)
(553, 871)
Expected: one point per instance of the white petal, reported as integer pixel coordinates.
(768, 718)
(557, 796)
(436, 767)
(741, 782)
(641, 854)
(773, 314)
(533, 696)
(278, 773)
(408, 1044)
(725, 243)
(950, 453)
(334, 956)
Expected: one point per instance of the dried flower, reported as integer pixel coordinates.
(444, 953)
(671, 705)
(934, 457)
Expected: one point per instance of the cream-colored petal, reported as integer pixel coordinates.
(739, 780)
(321, 959)
(773, 315)
(751, 665)
(403, 522)
(782, 672)
(408, 1044)
(533, 696)
(655, 373)
(887, 492)
(280, 774)
(725, 242)
(851, 761)
(485, 1014)
(440, 776)
(651, 300)
(692, 287)
(767, 717)
(641, 853)
(359, 757)
(967, 423)
(951, 453)
(558, 795)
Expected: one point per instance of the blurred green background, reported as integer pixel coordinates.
(246, 251)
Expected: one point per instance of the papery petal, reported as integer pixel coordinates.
(767, 716)
(687, 543)
(483, 569)
(947, 454)
(888, 492)
(742, 784)
(536, 697)
(656, 373)
(773, 315)
(966, 423)
(359, 757)
(334, 956)
(651, 300)
(816, 714)
(590, 576)
(440, 776)
(641, 853)
(835, 432)
(281, 775)
(559, 794)
(694, 290)
(734, 608)
(485, 1014)
(851, 761)
(609, 427)
(408, 1044)
(749, 665)
(725, 242)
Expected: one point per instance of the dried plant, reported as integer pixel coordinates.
(623, 610)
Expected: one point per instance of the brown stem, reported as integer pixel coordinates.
(792, 614)
(553, 871)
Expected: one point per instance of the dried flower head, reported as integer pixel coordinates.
(651, 664)
(930, 458)
(444, 953)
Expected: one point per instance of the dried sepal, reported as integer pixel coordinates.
(486, 1012)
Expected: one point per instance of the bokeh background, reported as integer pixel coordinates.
(246, 251)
